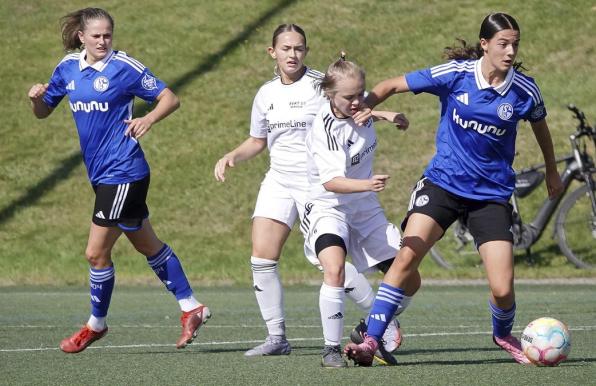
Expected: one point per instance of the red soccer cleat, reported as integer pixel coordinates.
(513, 347)
(81, 339)
(191, 321)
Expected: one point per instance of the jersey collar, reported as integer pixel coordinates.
(98, 66)
(483, 84)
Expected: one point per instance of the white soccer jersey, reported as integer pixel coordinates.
(283, 113)
(339, 148)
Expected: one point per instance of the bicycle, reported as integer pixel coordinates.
(575, 221)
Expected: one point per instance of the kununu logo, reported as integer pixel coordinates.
(88, 107)
(480, 128)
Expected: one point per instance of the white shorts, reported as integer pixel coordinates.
(369, 237)
(281, 198)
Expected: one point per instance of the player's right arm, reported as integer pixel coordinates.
(340, 184)
(38, 106)
(246, 150)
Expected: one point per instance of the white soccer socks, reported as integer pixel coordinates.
(269, 293)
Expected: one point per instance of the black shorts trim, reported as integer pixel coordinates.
(121, 205)
(486, 220)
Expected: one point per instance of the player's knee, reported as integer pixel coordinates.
(503, 296)
(412, 249)
(97, 257)
(334, 275)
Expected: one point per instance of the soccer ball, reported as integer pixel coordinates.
(546, 342)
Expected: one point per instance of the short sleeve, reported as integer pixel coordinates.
(435, 80)
(56, 89)
(258, 118)
(146, 86)
(328, 153)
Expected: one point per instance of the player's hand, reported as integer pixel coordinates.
(37, 91)
(378, 182)
(137, 127)
(363, 114)
(554, 185)
(401, 122)
(221, 165)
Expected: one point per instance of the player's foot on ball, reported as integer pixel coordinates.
(513, 347)
(81, 339)
(362, 354)
(382, 355)
(274, 345)
(392, 338)
(332, 357)
(191, 322)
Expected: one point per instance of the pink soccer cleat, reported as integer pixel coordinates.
(513, 347)
(362, 354)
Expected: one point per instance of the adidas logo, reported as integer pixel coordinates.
(71, 86)
(380, 317)
(349, 289)
(339, 315)
(100, 215)
(350, 143)
(95, 299)
(257, 288)
(463, 98)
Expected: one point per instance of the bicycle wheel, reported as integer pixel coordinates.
(456, 248)
(575, 227)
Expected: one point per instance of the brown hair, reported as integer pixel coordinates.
(76, 21)
(491, 24)
(337, 70)
(287, 28)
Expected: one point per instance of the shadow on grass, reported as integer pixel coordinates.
(70, 162)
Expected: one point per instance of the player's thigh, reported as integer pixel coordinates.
(268, 237)
(275, 201)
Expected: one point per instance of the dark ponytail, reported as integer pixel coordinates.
(76, 21)
(491, 24)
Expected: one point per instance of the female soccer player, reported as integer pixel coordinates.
(282, 114)
(101, 85)
(344, 215)
(483, 98)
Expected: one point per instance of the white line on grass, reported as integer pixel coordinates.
(244, 342)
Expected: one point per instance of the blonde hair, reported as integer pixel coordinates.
(340, 69)
(76, 21)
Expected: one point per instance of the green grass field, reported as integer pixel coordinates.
(447, 339)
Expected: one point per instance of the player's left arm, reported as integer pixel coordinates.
(167, 103)
(554, 184)
(399, 119)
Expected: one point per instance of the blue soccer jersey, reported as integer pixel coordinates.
(476, 135)
(101, 97)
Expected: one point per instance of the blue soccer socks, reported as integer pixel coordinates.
(502, 320)
(167, 267)
(101, 284)
(386, 304)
